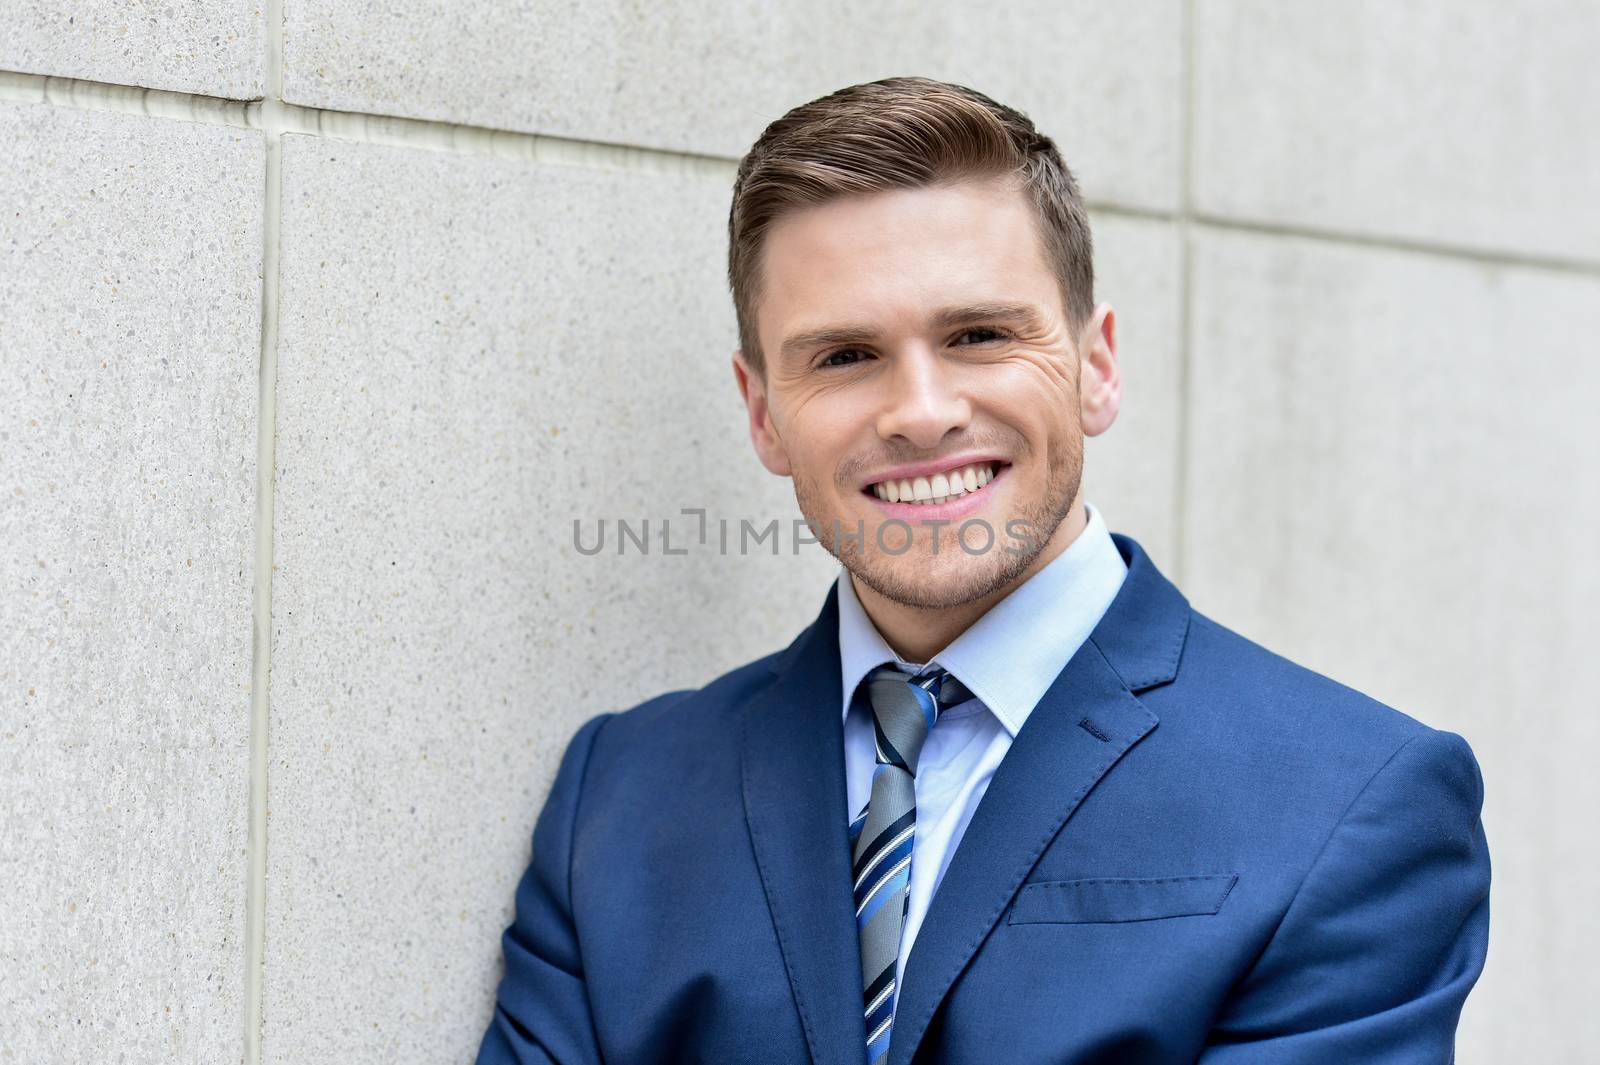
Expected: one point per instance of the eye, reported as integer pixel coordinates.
(827, 360)
(992, 332)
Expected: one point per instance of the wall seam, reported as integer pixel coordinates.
(1180, 491)
(1456, 253)
(266, 470)
(277, 118)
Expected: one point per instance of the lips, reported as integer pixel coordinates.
(942, 495)
(936, 487)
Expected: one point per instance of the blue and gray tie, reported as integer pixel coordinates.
(904, 709)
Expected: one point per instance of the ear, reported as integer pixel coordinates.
(1099, 379)
(763, 434)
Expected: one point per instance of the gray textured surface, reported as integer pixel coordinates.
(1395, 481)
(1104, 80)
(1465, 124)
(183, 45)
(1131, 471)
(1389, 455)
(130, 251)
(473, 353)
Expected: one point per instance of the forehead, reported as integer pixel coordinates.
(892, 257)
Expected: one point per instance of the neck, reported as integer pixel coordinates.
(917, 634)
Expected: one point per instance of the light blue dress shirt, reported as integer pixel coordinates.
(1008, 659)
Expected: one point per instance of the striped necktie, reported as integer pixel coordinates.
(904, 709)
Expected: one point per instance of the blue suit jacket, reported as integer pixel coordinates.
(1194, 850)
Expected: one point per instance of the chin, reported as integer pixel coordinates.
(920, 579)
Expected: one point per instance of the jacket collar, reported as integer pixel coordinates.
(792, 764)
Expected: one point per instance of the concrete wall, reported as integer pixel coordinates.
(320, 322)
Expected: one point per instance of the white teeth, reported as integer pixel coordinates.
(940, 487)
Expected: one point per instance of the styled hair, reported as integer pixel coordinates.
(901, 133)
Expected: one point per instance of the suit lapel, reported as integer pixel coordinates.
(1087, 720)
(792, 757)
(792, 763)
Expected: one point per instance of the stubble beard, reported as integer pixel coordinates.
(917, 578)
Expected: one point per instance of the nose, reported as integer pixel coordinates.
(925, 402)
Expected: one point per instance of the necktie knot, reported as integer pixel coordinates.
(904, 709)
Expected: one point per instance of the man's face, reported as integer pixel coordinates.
(950, 351)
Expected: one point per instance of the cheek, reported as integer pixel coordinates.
(815, 413)
(820, 428)
(1053, 376)
(1033, 400)
(812, 460)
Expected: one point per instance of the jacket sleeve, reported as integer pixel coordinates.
(541, 1012)
(1374, 956)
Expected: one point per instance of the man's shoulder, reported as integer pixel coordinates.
(1257, 697)
(690, 716)
(1268, 733)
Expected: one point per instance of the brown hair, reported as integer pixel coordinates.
(900, 133)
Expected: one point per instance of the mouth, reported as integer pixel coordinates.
(948, 493)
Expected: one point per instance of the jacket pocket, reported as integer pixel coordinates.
(1109, 899)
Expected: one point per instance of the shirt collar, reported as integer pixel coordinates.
(1009, 657)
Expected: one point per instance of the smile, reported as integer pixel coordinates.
(938, 488)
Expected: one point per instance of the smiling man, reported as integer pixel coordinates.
(1008, 798)
(921, 341)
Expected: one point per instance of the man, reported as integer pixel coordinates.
(1008, 798)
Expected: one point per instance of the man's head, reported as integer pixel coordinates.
(912, 277)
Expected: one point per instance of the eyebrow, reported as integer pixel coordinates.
(1021, 315)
